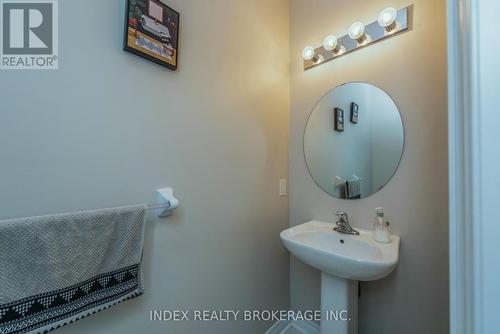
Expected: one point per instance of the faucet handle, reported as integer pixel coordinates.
(342, 215)
(343, 225)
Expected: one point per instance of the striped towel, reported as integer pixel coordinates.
(354, 189)
(60, 268)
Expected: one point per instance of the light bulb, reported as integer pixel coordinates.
(330, 43)
(387, 18)
(308, 53)
(357, 31)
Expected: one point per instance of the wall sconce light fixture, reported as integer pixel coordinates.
(387, 19)
(331, 43)
(309, 54)
(357, 32)
(390, 22)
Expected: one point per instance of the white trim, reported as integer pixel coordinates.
(464, 172)
(304, 327)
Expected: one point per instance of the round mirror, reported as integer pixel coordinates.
(354, 141)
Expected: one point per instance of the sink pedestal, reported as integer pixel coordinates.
(339, 305)
(337, 255)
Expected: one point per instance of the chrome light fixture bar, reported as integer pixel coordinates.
(390, 22)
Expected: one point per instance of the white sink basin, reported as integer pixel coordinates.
(343, 260)
(347, 256)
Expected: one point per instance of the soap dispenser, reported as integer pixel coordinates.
(381, 227)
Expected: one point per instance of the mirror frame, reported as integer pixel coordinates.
(403, 123)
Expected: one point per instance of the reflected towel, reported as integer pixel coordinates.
(60, 268)
(353, 189)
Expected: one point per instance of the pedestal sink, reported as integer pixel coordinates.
(343, 260)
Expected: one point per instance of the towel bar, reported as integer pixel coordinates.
(158, 206)
(167, 202)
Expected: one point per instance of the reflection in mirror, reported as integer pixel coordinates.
(354, 141)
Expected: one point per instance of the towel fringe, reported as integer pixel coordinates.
(86, 313)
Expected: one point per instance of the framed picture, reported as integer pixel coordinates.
(339, 119)
(152, 32)
(354, 113)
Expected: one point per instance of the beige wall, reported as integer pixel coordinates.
(412, 69)
(109, 128)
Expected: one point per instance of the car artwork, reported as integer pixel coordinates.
(152, 32)
(153, 27)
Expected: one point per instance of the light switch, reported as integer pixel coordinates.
(283, 188)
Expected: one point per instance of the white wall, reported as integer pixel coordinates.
(487, 165)
(474, 163)
(109, 128)
(411, 68)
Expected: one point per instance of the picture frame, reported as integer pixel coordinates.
(152, 32)
(339, 120)
(354, 113)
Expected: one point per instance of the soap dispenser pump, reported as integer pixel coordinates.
(381, 227)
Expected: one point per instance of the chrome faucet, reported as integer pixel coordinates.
(343, 225)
